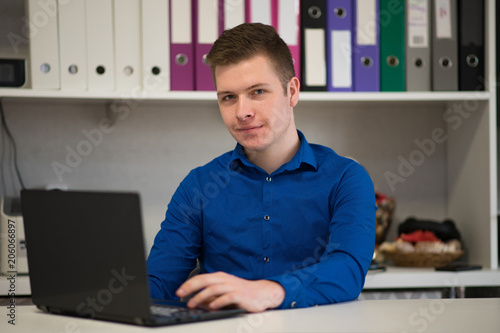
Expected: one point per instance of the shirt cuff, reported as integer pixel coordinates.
(292, 286)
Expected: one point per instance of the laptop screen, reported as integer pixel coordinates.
(86, 253)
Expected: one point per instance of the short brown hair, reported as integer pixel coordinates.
(248, 40)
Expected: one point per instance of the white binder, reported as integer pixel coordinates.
(155, 45)
(127, 24)
(44, 44)
(72, 44)
(100, 45)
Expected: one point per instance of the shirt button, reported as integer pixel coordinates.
(268, 179)
(293, 304)
(267, 217)
(266, 259)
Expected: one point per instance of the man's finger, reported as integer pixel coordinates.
(197, 283)
(208, 294)
(223, 301)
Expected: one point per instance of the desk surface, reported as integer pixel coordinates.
(423, 315)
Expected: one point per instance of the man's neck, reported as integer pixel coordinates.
(273, 158)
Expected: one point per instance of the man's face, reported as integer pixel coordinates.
(253, 105)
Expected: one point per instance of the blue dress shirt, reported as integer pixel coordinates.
(309, 226)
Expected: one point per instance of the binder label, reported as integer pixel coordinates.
(443, 18)
(315, 43)
(341, 50)
(366, 23)
(181, 28)
(234, 13)
(287, 18)
(260, 11)
(208, 23)
(418, 24)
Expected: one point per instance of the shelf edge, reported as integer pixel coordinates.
(211, 96)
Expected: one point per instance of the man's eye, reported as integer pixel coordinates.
(258, 91)
(227, 97)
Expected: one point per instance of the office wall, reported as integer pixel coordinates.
(153, 145)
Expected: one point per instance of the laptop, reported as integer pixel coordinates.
(87, 258)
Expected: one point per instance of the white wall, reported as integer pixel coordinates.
(155, 145)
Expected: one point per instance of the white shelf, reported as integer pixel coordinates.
(407, 277)
(211, 96)
(395, 96)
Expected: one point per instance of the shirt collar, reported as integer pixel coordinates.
(304, 155)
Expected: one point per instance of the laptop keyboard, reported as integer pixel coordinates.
(174, 311)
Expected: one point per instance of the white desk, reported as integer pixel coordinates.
(437, 315)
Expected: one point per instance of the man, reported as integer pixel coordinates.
(276, 223)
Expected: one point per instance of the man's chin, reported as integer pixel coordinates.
(251, 144)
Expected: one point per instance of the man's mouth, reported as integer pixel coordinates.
(248, 129)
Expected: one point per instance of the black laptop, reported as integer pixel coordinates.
(86, 258)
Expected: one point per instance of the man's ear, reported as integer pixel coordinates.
(294, 85)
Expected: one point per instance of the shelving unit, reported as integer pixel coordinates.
(471, 162)
(406, 277)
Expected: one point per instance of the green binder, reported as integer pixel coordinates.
(392, 45)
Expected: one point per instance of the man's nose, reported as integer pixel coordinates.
(244, 109)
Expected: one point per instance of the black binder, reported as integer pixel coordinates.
(471, 45)
(313, 50)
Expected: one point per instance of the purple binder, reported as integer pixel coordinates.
(181, 54)
(203, 74)
(181, 69)
(366, 46)
(339, 37)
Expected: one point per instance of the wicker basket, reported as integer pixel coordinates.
(422, 259)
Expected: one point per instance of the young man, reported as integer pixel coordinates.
(277, 222)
